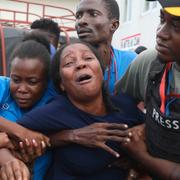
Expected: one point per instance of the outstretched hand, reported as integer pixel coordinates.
(97, 134)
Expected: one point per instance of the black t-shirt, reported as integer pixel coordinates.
(75, 161)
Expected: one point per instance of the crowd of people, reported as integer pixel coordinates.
(71, 112)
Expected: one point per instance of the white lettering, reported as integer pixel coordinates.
(154, 112)
(168, 122)
(157, 116)
(176, 124)
(161, 121)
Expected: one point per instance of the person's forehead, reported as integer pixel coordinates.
(18, 61)
(85, 5)
(74, 48)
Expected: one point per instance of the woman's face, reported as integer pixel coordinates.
(80, 71)
(27, 82)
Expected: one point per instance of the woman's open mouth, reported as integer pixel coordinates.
(83, 79)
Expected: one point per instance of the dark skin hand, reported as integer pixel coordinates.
(95, 135)
(136, 170)
(161, 168)
(28, 143)
(22, 134)
(29, 149)
(28, 153)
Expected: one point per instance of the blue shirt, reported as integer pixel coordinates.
(119, 64)
(11, 111)
(75, 161)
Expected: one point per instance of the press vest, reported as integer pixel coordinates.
(162, 132)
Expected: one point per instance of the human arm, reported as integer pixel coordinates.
(162, 168)
(11, 168)
(20, 133)
(28, 144)
(159, 167)
(59, 116)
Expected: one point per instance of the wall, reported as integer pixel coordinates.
(141, 29)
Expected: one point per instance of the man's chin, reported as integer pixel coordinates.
(88, 39)
(164, 58)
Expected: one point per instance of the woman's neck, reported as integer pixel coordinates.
(94, 106)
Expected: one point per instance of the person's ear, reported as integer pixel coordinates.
(114, 25)
(62, 87)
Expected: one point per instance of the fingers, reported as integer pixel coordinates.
(119, 133)
(11, 171)
(6, 173)
(47, 141)
(112, 129)
(31, 150)
(17, 171)
(117, 139)
(39, 149)
(113, 135)
(25, 173)
(140, 129)
(112, 126)
(111, 151)
(23, 155)
(30, 136)
(3, 175)
(36, 148)
(20, 171)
